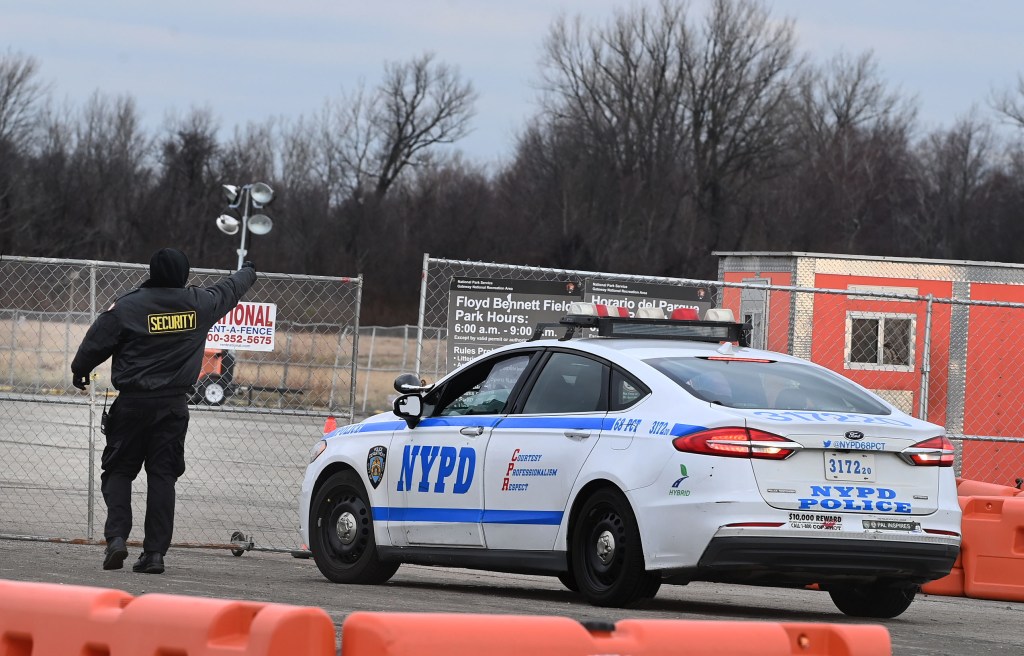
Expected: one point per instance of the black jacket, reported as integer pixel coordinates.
(156, 335)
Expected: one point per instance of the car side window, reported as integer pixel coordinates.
(484, 389)
(568, 383)
(625, 391)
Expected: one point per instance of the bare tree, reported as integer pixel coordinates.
(663, 127)
(851, 144)
(614, 108)
(955, 166)
(21, 93)
(21, 97)
(418, 105)
(1010, 103)
(740, 77)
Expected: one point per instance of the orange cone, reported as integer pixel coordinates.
(330, 424)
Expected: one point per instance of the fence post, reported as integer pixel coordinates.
(926, 362)
(91, 496)
(422, 313)
(369, 366)
(13, 348)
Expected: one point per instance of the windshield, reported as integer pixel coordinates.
(774, 385)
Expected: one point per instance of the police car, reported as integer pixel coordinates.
(645, 452)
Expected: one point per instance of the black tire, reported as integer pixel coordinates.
(341, 533)
(878, 600)
(607, 555)
(569, 581)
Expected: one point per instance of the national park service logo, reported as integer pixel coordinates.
(375, 461)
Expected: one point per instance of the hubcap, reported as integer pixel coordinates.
(214, 393)
(606, 547)
(345, 528)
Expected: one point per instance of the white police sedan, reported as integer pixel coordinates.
(656, 452)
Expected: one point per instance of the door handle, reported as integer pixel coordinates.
(472, 431)
(577, 435)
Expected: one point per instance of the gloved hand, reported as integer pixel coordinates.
(80, 381)
(249, 265)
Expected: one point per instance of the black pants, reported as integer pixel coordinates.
(148, 431)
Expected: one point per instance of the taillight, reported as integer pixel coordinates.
(933, 452)
(737, 442)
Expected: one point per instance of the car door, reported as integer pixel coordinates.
(437, 467)
(535, 454)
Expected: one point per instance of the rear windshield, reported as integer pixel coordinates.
(775, 385)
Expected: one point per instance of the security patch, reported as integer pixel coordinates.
(171, 322)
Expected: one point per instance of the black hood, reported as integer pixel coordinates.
(168, 268)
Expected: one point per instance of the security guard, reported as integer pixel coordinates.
(156, 335)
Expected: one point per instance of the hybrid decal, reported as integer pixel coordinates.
(816, 521)
(376, 460)
(854, 497)
(457, 464)
(675, 491)
(803, 415)
(859, 446)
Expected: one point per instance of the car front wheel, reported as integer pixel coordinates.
(341, 533)
(607, 556)
(876, 600)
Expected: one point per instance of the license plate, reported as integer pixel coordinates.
(849, 466)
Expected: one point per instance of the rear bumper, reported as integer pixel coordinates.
(764, 560)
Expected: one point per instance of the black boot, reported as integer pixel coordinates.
(117, 551)
(150, 562)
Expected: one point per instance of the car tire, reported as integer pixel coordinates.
(341, 533)
(607, 555)
(877, 600)
(569, 581)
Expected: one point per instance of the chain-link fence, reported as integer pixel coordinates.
(247, 443)
(951, 361)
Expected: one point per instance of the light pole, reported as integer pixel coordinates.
(256, 195)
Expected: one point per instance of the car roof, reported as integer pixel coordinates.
(644, 349)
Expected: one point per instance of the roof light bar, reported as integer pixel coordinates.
(650, 323)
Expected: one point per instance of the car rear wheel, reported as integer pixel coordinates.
(569, 581)
(877, 600)
(341, 533)
(607, 556)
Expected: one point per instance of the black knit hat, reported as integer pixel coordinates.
(168, 267)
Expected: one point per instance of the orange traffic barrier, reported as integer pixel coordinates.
(993, 548)
(966, 487)
(330, 424)
(406, 634)
(44, 619)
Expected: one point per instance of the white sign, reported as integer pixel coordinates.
(248, 327)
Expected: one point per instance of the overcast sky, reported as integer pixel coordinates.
(251, 60)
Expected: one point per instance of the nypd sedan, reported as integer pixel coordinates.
(631, 453)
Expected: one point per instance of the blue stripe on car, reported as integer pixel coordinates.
(498, 423)
(467, 516)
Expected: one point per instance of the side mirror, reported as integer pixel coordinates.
(406, 383)
(410, 408)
